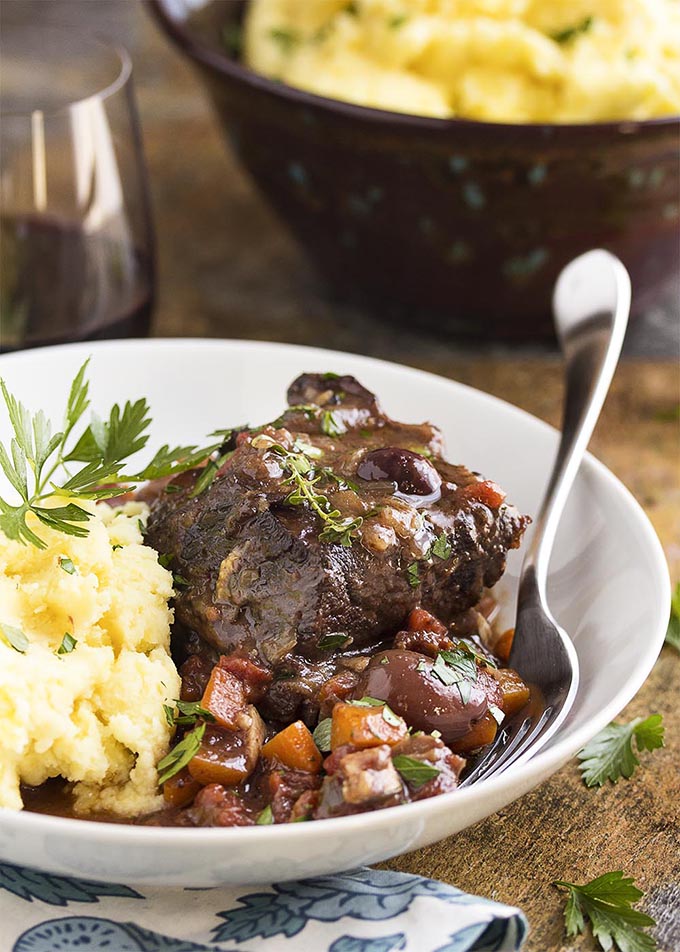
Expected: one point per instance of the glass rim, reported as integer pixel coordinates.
(102, 93)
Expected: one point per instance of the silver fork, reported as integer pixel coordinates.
(591, 302)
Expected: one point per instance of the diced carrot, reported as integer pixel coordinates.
(503, 644)
(254, 677)
(365, 726)
(479, 735)
(420, 620)
(294, 747)
(224, 697)
(181, 789)
(515, 692)
(484, 491)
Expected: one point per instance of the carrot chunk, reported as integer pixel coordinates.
(479, 735)
(294, 747)
(515, 692)
(484, 491)
(365, 726)
(228, 757)
(181, 789)
(224, 697)
(501, 647)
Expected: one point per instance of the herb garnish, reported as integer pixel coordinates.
(441, 547)
(68, 643)
(459, 667)
(181, 754)
(334, 639)
(332, 425)
(322, 735)
(397, 21)
(388, 714)
(232, 38)
(413, 575)
(286, 39)
(609, 755)
(67, 565)
(14, 637)
(37, 455)
(337, 528)
(571, 32)
(673, 633)
(265, 818)
(608, 902)
(185, 712)
(415, 772)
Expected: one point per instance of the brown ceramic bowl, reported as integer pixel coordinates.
(458, 224)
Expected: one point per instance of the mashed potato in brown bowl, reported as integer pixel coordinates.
(85, 664)
(491, 60)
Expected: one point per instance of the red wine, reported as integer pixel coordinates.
(61, 283)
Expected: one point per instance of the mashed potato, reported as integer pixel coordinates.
(93, 715)
(494, 60)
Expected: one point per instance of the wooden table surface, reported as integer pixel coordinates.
(227, 268)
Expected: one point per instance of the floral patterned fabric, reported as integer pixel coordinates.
(366, 910)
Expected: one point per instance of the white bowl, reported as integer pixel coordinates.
(609, 588)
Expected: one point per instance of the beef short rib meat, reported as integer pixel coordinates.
(323, 530)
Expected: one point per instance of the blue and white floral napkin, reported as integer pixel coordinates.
(366, 910)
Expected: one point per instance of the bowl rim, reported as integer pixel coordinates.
(225, 65)
(546, 761)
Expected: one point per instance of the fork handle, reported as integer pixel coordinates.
(591, 305)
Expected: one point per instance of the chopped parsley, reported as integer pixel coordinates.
(413, 575)
(415, 772)
(68, 643)
(181, 754)
(287, 40)
(335, 639)
(14, 637)
(441, 547)
(331, 424)
(388, 714)
(610, 755)
(398, 21)
(67, 565)
(571, 32)
(608, 903)
(185, 712)
(265, 818)
(459, 667)
(322, 735)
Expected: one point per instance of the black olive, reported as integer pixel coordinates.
(413, 474)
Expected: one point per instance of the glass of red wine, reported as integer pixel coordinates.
(76, 240)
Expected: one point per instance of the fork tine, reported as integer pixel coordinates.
(509, 746)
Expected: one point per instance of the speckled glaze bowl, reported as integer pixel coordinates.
(448, 223)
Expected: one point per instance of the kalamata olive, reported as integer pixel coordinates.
(413, 474)
(404, 681)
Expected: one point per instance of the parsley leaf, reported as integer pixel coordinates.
(14, 637)
(181, 754)
(415, 772)
(413, 575)
(571, 32)
(441, 547)
(331, 424)
(608, 902)
(673, 633)
(36, 455)
(334, 639)
(67, 565)
(609, 755)
(186, 712)
(287, 40)
(68, 643)
(322, 735)
(265, 818)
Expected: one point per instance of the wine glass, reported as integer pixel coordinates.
(76, 252)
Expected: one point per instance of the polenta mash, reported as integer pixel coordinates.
(87, 707)
(492, 60)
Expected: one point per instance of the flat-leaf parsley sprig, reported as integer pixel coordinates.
(610, 755)
(40, 464)
(608, 903)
